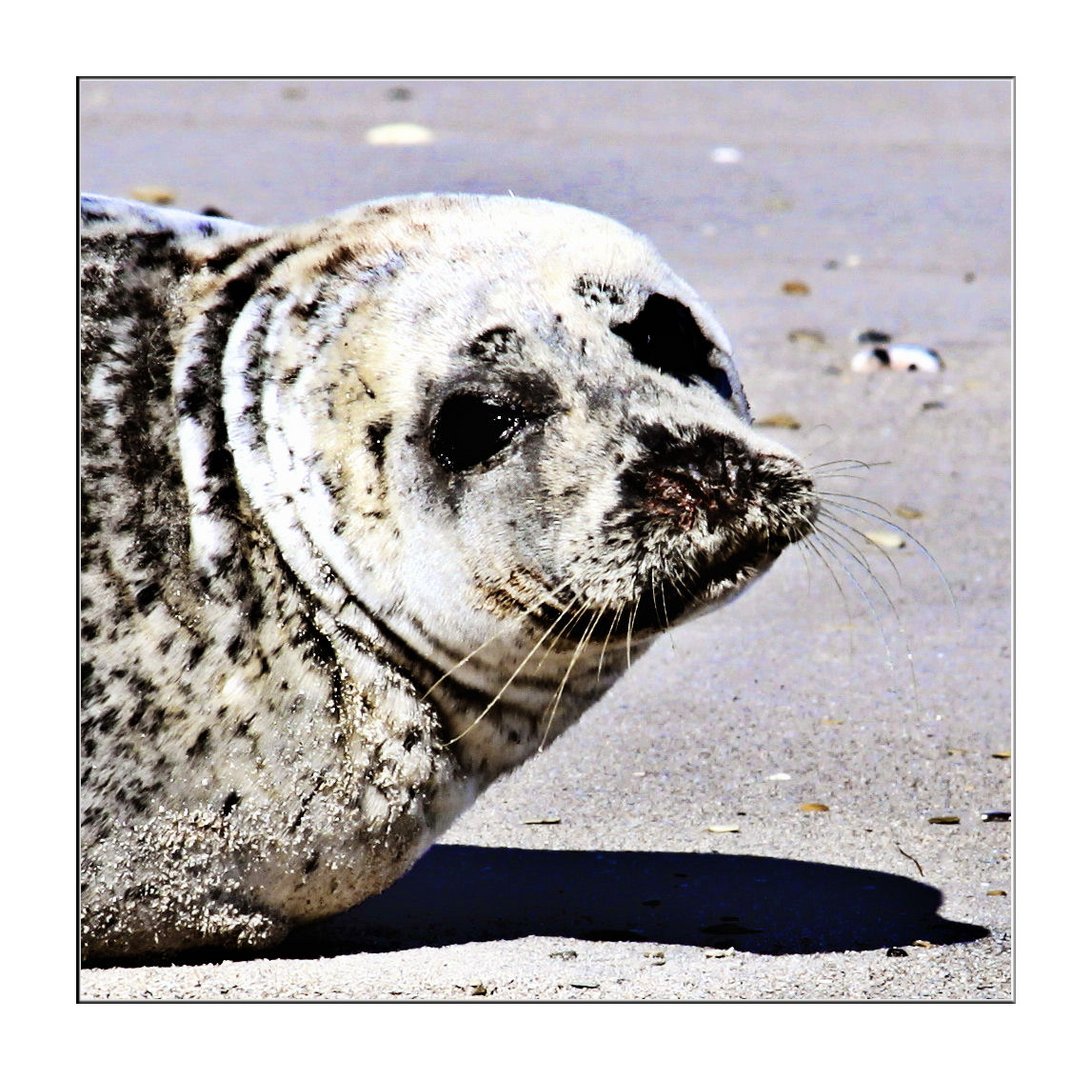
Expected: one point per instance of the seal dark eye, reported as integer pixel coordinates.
(665, 336)
(470, 429)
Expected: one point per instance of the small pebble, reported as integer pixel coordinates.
(722, 828)
(779, 776)
(897, 358)
(1004, 754)
(399, 135)
(996, 892)
(779, 420)
(726, 155)
(796, 288)
(814, 807)
(564, 954)
(927, 405)
(153, 193)
(895, 951)
(944, 819)
(996, 815)
(884, 539)
(544, 821)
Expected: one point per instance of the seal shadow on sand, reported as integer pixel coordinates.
(458, 894)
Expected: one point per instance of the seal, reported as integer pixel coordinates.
(373, 509)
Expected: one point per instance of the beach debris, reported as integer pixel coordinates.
(722, 828)
(779, 776)
(779, 420)
(896, 951)
(155, 194)
(1003, 754)
(907, 855)
(944, 819)
(927, 405)
(815, 338)
(888, 357)
(477, 989)
(398, 135)
(996, 815)
(796, 288)
(814, 807)
(543, 821)
(909, 513)
(563, 954)
(921, 943)
(883, 538)
(996, 892)
(726, 155)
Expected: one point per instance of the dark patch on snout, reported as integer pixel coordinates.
(753, 504)
(710, 477)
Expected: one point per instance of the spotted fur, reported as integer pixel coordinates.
(312, 632)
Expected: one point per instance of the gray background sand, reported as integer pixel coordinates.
(891, 201)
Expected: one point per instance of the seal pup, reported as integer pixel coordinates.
(373, 509)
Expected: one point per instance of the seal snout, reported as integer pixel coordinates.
(713, 480)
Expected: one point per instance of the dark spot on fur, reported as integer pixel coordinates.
(665, 336)
(199, 745)
(377, 436)
(598, 292)
(493, 344)
(146, 595)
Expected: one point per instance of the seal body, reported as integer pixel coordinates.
(373, 509)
